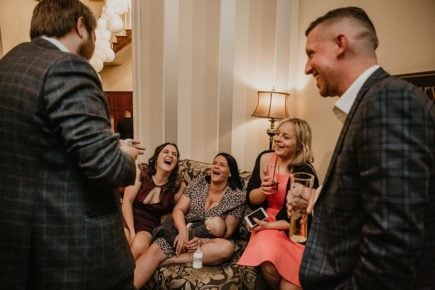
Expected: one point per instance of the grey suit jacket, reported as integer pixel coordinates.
(374, 222)
(60, 223)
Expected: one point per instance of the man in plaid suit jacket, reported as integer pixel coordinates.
(60, 223)
(373, 223)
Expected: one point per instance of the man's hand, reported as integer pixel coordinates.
(311, 200)
(132, 148)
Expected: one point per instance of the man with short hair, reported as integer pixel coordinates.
(60, 222)
(373, 224)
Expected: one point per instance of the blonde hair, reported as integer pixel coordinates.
(304, 153)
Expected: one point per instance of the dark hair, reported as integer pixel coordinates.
(354, 13)
(56, 18)
(153, 166)
(234, 180)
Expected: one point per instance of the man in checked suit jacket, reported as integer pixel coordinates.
(60, 223)
(373, 223)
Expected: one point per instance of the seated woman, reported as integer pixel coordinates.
(280, 260)
(217, 194)
(155, 192)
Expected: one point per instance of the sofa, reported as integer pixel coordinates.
(228, 275)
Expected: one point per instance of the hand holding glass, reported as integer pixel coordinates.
(270, 182)
(300, 190)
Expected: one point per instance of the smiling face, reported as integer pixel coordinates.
(167, 158)
(219, 171)
(285, 141)
(322, 53)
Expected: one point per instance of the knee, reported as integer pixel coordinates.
(138, 248)
(227, 249)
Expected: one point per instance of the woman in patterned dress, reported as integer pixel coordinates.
(156, 190)
(280, 259)
(217, 194)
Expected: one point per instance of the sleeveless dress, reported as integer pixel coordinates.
(274, 245)
(148, 216)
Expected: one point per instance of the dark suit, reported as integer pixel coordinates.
(60, 223)
(374, 222)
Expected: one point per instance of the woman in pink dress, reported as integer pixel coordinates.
(269, 246)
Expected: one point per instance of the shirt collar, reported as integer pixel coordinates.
(342, 106)
(57, 43)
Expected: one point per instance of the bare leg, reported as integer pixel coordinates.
(147, 264)
(181, 259)
(270, 274)
(140, 244)
(286, 285)
(217, 251)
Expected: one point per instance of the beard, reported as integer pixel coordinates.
(86, 48)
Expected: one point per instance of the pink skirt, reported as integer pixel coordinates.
(274, 246)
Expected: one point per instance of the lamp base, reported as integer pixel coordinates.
(271, 132)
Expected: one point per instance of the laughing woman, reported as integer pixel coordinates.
(155, 192)
(217, 194)
(280, 260)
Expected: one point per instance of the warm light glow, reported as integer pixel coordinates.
(271, 104)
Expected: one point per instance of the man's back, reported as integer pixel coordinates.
(56, 176)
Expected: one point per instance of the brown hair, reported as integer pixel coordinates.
(56, 18)
(304, 153)
(354, 13)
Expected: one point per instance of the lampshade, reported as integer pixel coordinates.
(271, 104)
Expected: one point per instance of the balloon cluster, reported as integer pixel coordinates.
(109, 22)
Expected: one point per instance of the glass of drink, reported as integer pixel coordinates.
(300, 190)
(272, 171)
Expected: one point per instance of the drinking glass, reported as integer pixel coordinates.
(300, 190)
(272, 171)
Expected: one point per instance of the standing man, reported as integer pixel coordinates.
(374, 221)
(60, 223)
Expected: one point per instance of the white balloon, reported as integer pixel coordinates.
(109, 55)
(120, 8)
(115, 24)
(99, 53)
(97, 64)
(106, 35)
(109, 11)
(101, 23)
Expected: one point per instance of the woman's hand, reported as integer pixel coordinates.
(261, 225)
(180, 242)
(192, 245)
(268, 186)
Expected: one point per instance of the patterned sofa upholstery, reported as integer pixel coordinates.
(225, 276)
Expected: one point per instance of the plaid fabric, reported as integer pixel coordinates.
(60, 224)
(374, 222)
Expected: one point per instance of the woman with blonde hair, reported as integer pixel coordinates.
(268, 186)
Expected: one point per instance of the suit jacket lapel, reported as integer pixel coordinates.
(374, 78)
